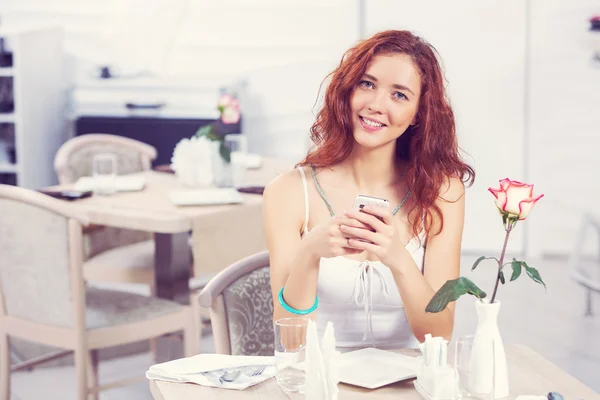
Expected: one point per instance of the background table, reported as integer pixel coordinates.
(220, 234)
(529, 373)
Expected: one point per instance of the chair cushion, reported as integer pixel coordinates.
(130, 263)
(249, 308)
(106, 308)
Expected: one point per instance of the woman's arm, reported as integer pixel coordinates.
(292, 266)
(442, 263)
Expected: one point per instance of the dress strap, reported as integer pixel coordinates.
(306, 214)
(314, 175)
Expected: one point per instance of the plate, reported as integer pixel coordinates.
(205, 197)
(372, 368)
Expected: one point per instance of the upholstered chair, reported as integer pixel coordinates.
(110, 254)
(241, 307)
(44, 297)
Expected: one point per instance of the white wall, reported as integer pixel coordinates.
(484, 60)
(283, 49)
(541, 130)
(564, 121)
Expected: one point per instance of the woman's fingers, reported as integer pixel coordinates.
(383, 213)
(367, 219)
(343, 220)
(358, 233)
(365, 246)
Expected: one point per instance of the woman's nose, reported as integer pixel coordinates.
(375, 102)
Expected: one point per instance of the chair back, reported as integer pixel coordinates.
(40, 257)
(74, 158)
(584, 271)
(241, 307)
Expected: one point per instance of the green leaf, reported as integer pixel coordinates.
(225, 152)
(533, 274)
(212, 135)
(516, 267)
(451, 291)
(501, 275)
(480, 259)
(204, 131)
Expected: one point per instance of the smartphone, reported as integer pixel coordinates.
(67, 194)
(361, 200)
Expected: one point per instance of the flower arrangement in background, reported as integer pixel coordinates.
(229, 110)
(514, 201)
(595, 23)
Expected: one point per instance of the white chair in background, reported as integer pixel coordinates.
(584, 273)
(44, 298)
(110, 254)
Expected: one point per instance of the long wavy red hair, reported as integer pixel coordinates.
(430, 146)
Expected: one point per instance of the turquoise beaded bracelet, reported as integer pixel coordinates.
(286, 307)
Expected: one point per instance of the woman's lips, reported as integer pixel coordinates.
(368, 127)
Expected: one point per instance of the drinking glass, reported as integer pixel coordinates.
(104, 172)
(238, 146)
(290, 354)
(475, 367)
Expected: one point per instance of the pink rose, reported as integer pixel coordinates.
(515, 198)
(230, 115)
(225, 101)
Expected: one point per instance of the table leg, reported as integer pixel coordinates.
(173, 260)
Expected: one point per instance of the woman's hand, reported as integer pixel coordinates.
(328, 240)
(385, 239)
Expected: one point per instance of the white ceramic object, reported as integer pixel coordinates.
(487, 329)
(372, 368)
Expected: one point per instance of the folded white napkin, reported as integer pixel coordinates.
(204, 197)
(191, 370)
(123, 183)
(253, 161)
(321, 357)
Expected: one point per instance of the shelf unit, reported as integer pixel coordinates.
(7, 71)
(32, 133)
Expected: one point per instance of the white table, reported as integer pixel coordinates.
(529, 373)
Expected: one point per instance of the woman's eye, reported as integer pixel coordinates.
(366, 84)
(400, 96)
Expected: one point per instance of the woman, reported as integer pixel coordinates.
(385, 130)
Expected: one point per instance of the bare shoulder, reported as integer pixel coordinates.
(284, 197)
(452, 190)
(287, 185)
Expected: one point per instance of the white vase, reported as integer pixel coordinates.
(221, 169)
(487, 330)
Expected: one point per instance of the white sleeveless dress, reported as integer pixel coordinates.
(362, 299)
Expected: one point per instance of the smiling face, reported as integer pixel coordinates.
(386, 100)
